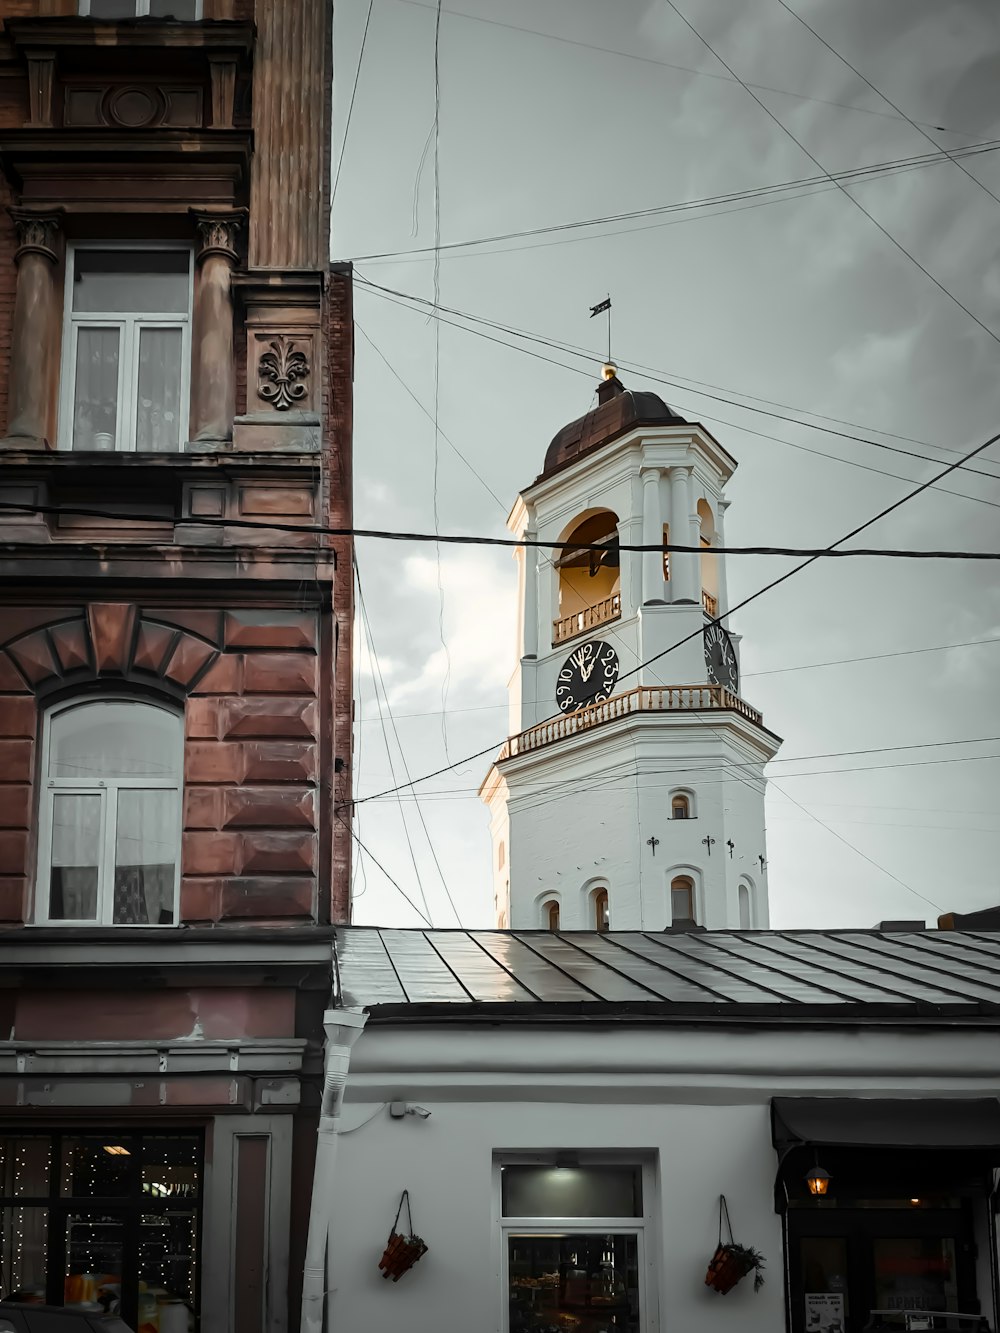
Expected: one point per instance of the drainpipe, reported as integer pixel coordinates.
(342, 1027)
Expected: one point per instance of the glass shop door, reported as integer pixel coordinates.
(846, 1262)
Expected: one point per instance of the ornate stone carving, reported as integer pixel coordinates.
(37, 233)
(281, 373)
(217, 232)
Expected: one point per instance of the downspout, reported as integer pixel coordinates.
(342, 1027)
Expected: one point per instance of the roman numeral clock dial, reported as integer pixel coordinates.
(720, 659)
(588, 676)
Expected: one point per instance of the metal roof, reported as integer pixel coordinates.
(784, 975)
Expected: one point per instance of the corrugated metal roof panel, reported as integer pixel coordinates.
(787, 973)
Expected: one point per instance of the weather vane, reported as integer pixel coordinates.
(602, 306)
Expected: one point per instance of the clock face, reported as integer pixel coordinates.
(588, 676)
(720, 659)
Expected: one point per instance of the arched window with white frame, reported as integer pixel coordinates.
(682, 804)
(682, 899)
(110, 813)
(550, 911)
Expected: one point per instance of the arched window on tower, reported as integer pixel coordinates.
(680, 806)
(602, 910)
(709, 562)
(682, 898)
(551, 910)
(589, 580)
(745, 901)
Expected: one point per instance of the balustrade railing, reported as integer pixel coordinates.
(568, 627)
(710, 603)
(643, 699)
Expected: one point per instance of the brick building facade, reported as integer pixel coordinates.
(175, 677)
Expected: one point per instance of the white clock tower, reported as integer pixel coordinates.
(630, 794)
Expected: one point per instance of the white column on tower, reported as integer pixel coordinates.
(694, 528)
(720, 540)
(652, 535)
(683, 564)
(529, 566)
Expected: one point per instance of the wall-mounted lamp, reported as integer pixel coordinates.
(818, 1181)
(400, 1109)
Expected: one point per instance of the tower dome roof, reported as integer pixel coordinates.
(618, 410)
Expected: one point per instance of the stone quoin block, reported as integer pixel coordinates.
(280, 673)
(270, 629)
(279, 761)
(11, 679)
(15, 805)
(267, 718)
(213, 761)
(201, 899)
(263, 897)
(15, 766)
(224, 676)
(12, 898)
(18, 715)
(268, 807)
(202, 719)
(13, 852)
(266, 853)
(202, 807)
(210, 853)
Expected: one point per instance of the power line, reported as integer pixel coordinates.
(660, 377)
(888, 100)
(871, 218)
(430, 416)
(664, 64)
(471, 539)
(385, 872)
(350, 109)
(749, 675)
(717, 620)
(850, 174)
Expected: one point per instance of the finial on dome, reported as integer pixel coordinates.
(609, 370)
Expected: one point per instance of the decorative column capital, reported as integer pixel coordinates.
(650, 474)
(37, 232)
(723, 504)
(217, 232)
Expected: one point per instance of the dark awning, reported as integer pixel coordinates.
(899, 1122)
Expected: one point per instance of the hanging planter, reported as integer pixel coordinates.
(402, 1250)
(731, 1262)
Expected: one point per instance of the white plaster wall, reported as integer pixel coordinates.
(585, 808)
(695, 1102)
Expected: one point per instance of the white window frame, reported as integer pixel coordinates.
(108, 790)
(130, 327)
(142, 10)
(641, 1227)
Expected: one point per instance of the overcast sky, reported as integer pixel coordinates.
(556, 111)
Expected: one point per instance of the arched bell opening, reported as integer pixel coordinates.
(589, 579)
(709, 561)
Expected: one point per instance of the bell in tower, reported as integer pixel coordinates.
(630, 793)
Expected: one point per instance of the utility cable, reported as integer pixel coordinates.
(430, 416)
(660, 377)
(888, 100)
(471, 539)
(717, 620)
(378, 680)
(871, 218)
(350, 109)
(835, 178)
(664, 64)
(381, 867)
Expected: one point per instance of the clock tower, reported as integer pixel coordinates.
(630, 793)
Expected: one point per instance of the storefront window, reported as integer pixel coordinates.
(572, 1238)
(103, 1223)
